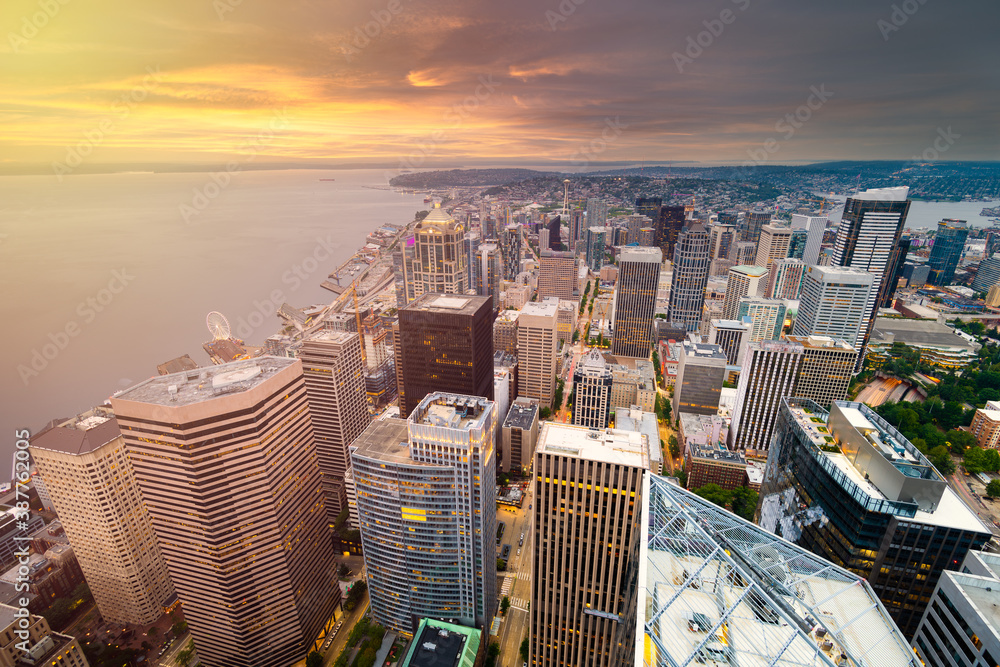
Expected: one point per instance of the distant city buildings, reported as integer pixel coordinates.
(814, 226)
(444, 343)
(557, 275)
(635, 301)
(426, 497)
(773, 244)
(597, 213)
(785, 279)
(489, 272)
(510, 251)
(752, 224)
(226, 462)
(668, 228)
(732, 336)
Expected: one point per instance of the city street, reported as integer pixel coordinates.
(515, 582)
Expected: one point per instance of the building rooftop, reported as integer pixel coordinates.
(718, 590)
(733, 324)
(704, 351)
(438, 216)
(386, 440)
(206, 383)
(432, 302)
(609, 445)
(883, 194)
(522, 414)
(755, 271)
(440, 644)
(330, 336)
(821, 343)
(918, 332)
(81, 434)
(843, 273)
(633, 418)
(455, 411)
(640, 254)
(545, 308)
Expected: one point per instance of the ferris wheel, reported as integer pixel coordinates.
(218, 325)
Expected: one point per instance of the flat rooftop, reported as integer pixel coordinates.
(206, 383)
(983, 592)
(386, 440)
(821, 343)
(447, 304)
(544, 308)
(454, 411)
(704, 351)
(609, 445)
(755, 271)
(521, 415)
(919, 332)
(330, 336)
(82, 434)
(640, 254)
(439, 644)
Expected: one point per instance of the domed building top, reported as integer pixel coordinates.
(439, 216)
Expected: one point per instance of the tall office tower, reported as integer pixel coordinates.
(743, 253)
(860, 494)
(773, 244)
(444, 343)
(768, 376)
(711, 594)
(668, 228)
(743, 281)
(587, 530)
(488, 228)
(566, 317)
(732, 336)
(335, 387)
(577, 226)
(505, 332)
(555, 233)
(592, 382)
(227, 467)
(959, 625)
(723, 237)
(649, 207)
(557, 275)
(869, 232)
(597, 213)
(784, 281)
(520, 433)
(27, 639)
(403, 271)
(596, 239)
(949, 242)
(833, 302)
(635, 301)
(767, 317)
(543, 238)
(439, 259)
(814, 227)
(92, 485)
(537, 342)
(988, 274)
(426, 495)
(797, 243)
(489, 272)
(752, 224)
(471, 246)
(826, 369)
(687, 289)
(636, 222)
(647, 236)
(895, 272)
(701, 370)
(510, 251)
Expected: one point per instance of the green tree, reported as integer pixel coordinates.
(501, 565)
(715, 494)
(314, 659)
(991, 460)
(185, 655)
(941, 459)
(492, 653)
(973, 461)
(959, 441)
(681, 477)
(544, 413)
(504, 605)
(675, 449)
(503, 479)
(153, 631)
(993, 488)
(366, 658)
(524, 649)
(666, 410)
(744, 502)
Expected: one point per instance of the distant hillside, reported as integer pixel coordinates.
(464, 177)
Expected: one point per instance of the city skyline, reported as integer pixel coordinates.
(191, 82)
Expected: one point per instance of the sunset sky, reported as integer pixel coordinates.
(149, 81)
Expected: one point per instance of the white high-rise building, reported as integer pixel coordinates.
(785, 279)
(834, 303)
(742, 281)
(814, 226)
(426, 502)
(768, 376)
(774, 241)
(537, 343)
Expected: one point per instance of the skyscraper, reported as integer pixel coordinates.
(797, 243)
(227, 466)
(588, 490)
(768, 376)
(743, 281)
(896, 263)
(510, 251)
(635, 301)
(848, 486)
(833, 302)
(949, 242)
(814, 227)
(784, 281)
(649, 207)
(743, 253)
(592, 382)
(520, 433)
(701, 370)
(668, 228)
(554, 225)
(826, 369)
(690, 275)
(444, 343)
(597, 213)
(868, 236)
(537, 343)
(335, 387)
(596, 239)
(557, 275)
(723, 237)
(577, 225)
(426, 499)
(752, 223)
(489, 272)
(732, 336)
(767, 317)
(439, 258)
(773, 244)
(90, 480)
(471, 245)
(988, 274)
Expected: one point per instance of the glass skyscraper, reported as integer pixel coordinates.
(947, 250)
(692, 257)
